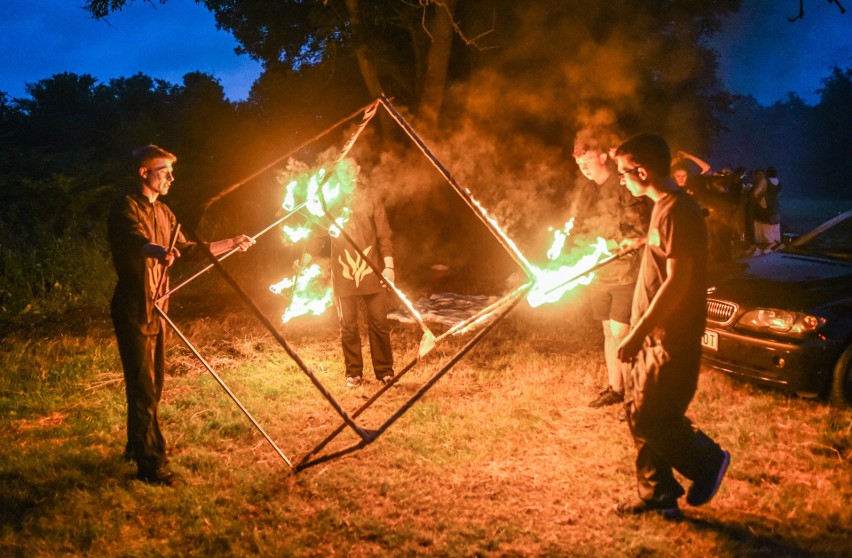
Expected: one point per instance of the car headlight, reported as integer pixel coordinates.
(780, 321)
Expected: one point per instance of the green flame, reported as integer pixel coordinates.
(309, 290)
(555, 279)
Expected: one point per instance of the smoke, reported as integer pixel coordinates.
(564, 73)
(508, 138)
(560, 74)
(516, 120)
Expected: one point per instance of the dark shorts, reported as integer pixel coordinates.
(611, 302)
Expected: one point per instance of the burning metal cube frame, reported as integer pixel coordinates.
(487, 317)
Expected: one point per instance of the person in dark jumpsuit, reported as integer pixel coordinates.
(141, 229)
(663, 347)
(356, 284)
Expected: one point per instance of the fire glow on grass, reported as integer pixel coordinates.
(565, 271)
(308, 290)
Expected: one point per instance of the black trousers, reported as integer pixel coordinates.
(143, 360)
(375, 306)
(660, 387)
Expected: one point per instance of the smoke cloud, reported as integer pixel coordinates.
(559, 75)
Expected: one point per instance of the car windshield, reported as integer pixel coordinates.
(833, 241)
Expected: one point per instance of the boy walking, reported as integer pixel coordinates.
(663, 346)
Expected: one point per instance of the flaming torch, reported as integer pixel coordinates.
(566, 271)
(307, 291)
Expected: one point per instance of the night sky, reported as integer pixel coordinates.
(39, 38)
(761, 53)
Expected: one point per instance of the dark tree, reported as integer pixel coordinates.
(831, 135)
(499, 87)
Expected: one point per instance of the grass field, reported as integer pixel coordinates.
(502, 457)
(799, 215)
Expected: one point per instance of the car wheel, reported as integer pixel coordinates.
(841, 383)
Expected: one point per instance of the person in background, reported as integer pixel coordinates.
(603, 208)
(720, 208)
(680, 172)
(663, 346)
(144, 241)
(765, 208)
(741, 221)
(356, 284)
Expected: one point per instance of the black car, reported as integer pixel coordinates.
(785, 318)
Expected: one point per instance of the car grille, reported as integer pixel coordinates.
(720, 311)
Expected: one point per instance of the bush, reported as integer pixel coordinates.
(55, 275)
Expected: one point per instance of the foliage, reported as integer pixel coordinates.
(641, 63)
(54, 275)
(64, 154)
(832, 130)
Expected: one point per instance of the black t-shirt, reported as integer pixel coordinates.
(610, 211)
(677, 231)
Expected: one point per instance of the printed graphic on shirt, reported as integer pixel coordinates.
(355, 268)
(654, 237)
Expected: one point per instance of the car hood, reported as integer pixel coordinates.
(781, 280)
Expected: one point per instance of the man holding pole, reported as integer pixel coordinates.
(663, 347)
(145, 239)
(603, 208)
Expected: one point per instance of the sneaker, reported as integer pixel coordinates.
(607, 397)
(667, 510)
(386, 379)
(703, 491)
(160, 476)
(353, 381)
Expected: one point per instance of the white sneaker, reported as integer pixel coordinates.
(353, 381)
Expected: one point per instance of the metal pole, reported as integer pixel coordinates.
(225, 387)
(257, 173)
(304, 462)
(510, 305)
(162, 278)
(507, 244)
(233, 250)
(457, 328)
(595, 267)
(286, 346)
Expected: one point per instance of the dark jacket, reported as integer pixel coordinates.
(368, 227)
(133, 222)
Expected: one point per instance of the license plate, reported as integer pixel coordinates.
(710, 340)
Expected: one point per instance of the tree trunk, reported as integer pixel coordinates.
(365, 63)
(440, 28)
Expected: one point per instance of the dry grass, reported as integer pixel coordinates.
(500, 458)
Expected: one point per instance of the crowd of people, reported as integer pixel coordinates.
(742, 209)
